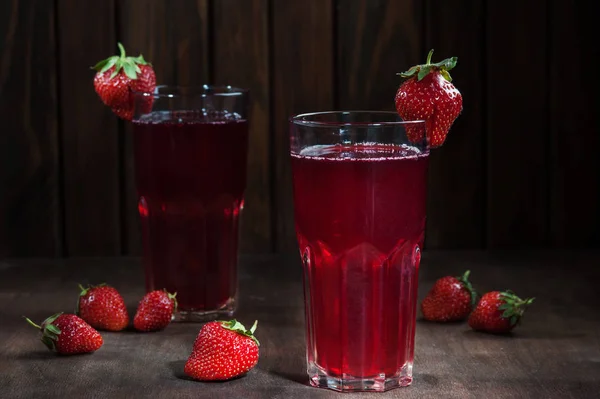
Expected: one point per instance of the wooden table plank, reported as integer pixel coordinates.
(554, 354)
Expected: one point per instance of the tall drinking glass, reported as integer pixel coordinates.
(359, 194)
(190, 149)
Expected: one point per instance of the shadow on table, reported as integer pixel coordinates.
(176, 367)
(37, 355)
(297, 377)
(526, 334)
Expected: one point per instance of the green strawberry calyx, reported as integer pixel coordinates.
(513, 307)
(84, 292)
(50, 332)
(236, 326)
(130, 65)
(443, 67)
(464, 280)
(173, 298)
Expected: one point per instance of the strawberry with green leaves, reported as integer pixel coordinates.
(223, 350)
(116, 79)
(155, 311)
(67, 334)
(450, 299)
(102, 307)
(429, 95)
(498, 312)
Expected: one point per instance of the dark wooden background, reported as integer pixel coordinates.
(520, 168)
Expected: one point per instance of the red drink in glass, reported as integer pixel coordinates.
(190, 178)
(360, 220)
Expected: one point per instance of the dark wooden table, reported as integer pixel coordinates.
(554, 354)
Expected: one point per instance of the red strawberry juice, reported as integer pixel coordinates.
(190, 177)
(360, 219)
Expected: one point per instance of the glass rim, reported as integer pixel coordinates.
(303, 119)
(206, 90)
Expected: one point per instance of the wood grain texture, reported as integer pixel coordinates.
(553, 354)
(456, 209)
(241, 58)
(174, 37)
(517, 124)
(574, 125)
(375, 40)
(29, 193)
(90, 136)
(303, 70)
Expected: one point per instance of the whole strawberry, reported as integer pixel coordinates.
(118, 76)
(155, 311)
(428, 95)
(498, 312)
(222, 350)
(450, 299)
(102, 307)
(68, 334)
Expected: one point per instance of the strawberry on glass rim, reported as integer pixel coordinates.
(118, 76)
(429, 95)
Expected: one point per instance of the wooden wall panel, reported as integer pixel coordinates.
(241, 58)
(303, 70)
(574, 125)
(519, 168)
(457, 185)
(375, 40)
(30, 214)
(173, 36)
(517, 124)
(90, 136)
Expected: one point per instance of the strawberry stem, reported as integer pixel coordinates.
(121, 49)
(253, 328)
(429, 57)
(32, 323)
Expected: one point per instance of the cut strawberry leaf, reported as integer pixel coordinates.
(109, 64)
(446, 75)
(423, 71)
(130, 70)
(53, 329)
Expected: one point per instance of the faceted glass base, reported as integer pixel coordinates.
(347, 383)
(199, 316)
